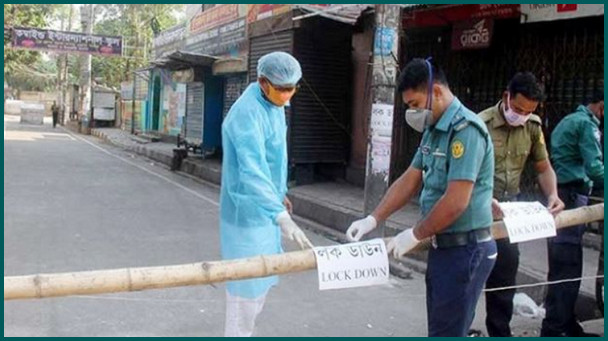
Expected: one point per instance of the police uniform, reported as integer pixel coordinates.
(577, 158)
(457, 148)
(513, 146)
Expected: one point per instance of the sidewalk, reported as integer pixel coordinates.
(332, 206)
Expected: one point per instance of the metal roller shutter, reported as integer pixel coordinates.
(321, 113)
(195, 100)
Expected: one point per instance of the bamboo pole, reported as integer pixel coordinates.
(137, 279)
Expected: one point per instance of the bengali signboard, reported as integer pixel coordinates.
(549, 12)
(448, 14)
(218, 31)
(170, 40)
(214, 17)
(262, 11)
(472, 34)
(61, 41)
(229, 38)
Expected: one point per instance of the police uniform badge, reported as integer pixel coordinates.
(457, 149)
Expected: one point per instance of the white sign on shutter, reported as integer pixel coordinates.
(548, 12)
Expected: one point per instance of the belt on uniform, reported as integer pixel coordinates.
(449, 240)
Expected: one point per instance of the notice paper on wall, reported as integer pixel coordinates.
(527, 221)
(352, 265)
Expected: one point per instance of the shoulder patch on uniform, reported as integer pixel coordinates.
(487, 115)
(535, 119)
(461, 125)
(457, 149)
(459, 122)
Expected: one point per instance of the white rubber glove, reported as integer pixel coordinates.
(360, 228)
(403, 243)
(291, 231)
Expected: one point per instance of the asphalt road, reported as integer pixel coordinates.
(72, 203)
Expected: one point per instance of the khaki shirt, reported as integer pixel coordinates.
(513, 146)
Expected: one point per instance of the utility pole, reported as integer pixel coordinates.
(383, 87)
(60, 65)
(87, 19)
(65, 80)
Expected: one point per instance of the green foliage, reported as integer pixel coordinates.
(134, 22)
(26, 15)
(40, 76)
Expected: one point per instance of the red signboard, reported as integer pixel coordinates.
(567, 8)
(213, 17)
(262, 11)
(475, 34)
(446, 15)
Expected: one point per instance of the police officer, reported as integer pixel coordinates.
(454, 165)
(517, 137)
(578, 160)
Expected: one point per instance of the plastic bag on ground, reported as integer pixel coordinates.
(524, 306)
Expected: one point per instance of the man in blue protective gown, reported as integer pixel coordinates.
(254, 210)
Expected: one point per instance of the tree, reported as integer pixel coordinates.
(28, 16)
(134, 22)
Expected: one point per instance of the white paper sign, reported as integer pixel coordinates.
(381, 126)
(352, 265)
(381, 154)
(527, 221)
(549, 12)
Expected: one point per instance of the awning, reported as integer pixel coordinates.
(347, 13)
(227, 66)
(180, 60)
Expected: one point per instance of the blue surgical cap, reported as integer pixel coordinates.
(280, 68)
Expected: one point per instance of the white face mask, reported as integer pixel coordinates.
(419, 119)
(514, 119)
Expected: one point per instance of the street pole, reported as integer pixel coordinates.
(133, 103)
(65, 78)
(383, 87)
(85, 76)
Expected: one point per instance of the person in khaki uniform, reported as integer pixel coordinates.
(517, 137)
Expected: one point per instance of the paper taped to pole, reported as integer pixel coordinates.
(527, 221)
(352, 265)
